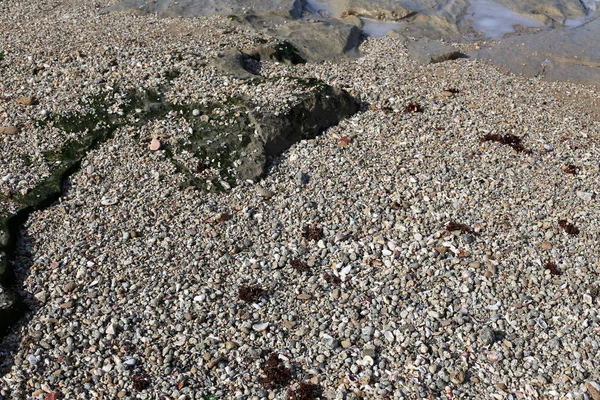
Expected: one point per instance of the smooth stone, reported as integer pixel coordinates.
(369, 351)
(155, 144)
(25, 100)
(109, 202)
(264, 193)
(585, 196)
(111, 329)
(457, 377)
(9, 130)
(486, 336)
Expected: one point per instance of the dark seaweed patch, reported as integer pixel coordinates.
(305, 391)
(570, 169)
(299, 265)
(275, 374)
(551, 266)
(312, 233)
(509, 140)
(140, 382)
(250, 294)
(413, 108)
(332, 279)
(568, 227)
(455, 226)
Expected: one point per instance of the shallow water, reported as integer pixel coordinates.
(375, 28)
(316, 7)
(495, 20)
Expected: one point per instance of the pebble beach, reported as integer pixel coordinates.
(441, 243)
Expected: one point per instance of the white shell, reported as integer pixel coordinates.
(260, 327)
(109, 202)
(494, 307)
(368, 360)
(389, 336)
(345, 271)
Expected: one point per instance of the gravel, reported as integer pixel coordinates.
(133, 280)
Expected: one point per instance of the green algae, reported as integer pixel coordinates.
(220, 132)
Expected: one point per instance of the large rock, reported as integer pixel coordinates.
(321, 40)
(548, 11)
(319, 108)
(426, 51)
(572, 55)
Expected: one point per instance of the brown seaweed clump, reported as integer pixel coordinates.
(140, 382)
(456, 226)
(305, 391)
(250, 294)
(570, 169)
(551, 266)
(312, 233)
(275, 374)
(413, 108)
(509, 140)
(332, 279)
(299, 265)
(568, 227)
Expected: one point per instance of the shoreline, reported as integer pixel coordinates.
(400, 253)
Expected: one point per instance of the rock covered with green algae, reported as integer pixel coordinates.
(233, 137)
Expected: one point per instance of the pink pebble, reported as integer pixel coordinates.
(155, 145)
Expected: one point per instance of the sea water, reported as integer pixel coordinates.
(496, 20)
(492, 19)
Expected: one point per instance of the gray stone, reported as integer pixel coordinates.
(561, 54)
(486, 336)
(301, 178)
(331, 342)
(369, 350)
(426, 51)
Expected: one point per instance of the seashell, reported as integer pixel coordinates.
(389, 336)
(109, 202)
(542, 324)
(345, 271)
(260, 327)
(593, 389)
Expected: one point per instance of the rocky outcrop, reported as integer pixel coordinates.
(321, 107)
(548, 11)
(426, 51)
(263, 135)
(557, 55)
